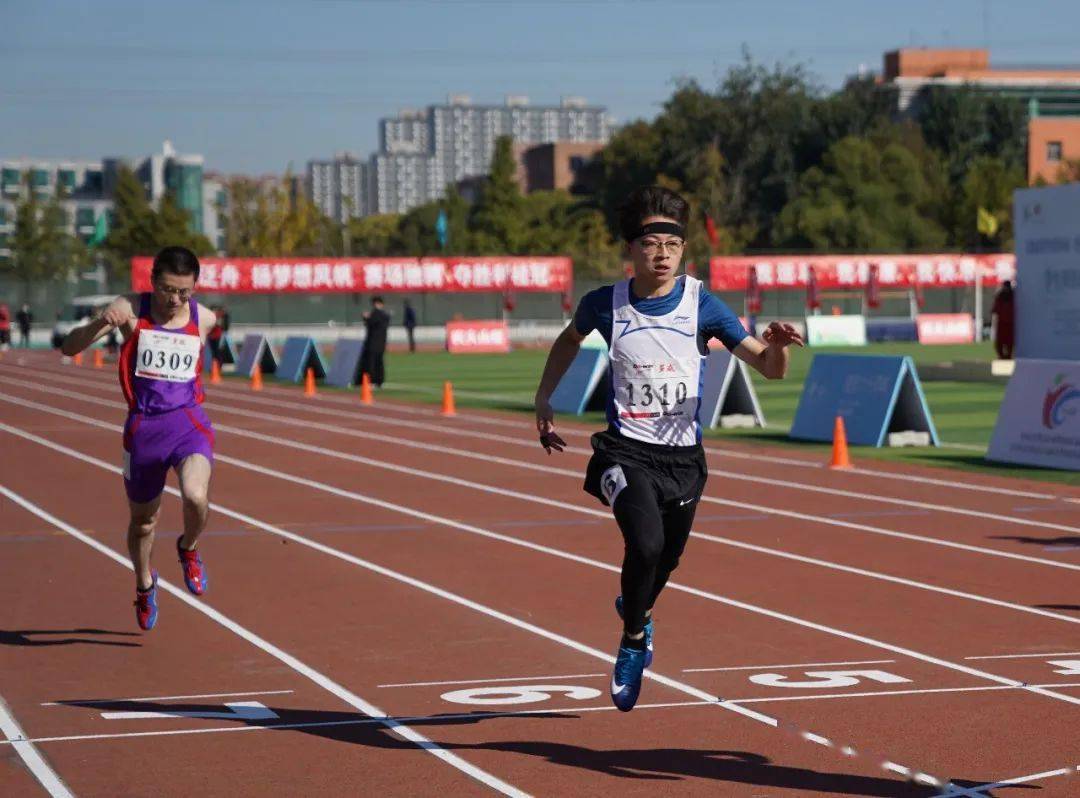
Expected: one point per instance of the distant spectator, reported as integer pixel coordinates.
(25, 319)
(376, 324)
(1005, 313)
(217, 332)
(5, 326)
(410, 325)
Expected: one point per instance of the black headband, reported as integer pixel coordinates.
(659, 227)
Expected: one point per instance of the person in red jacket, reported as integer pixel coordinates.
(1004, 310)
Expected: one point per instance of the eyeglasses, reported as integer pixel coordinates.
(183, 294)
(673, 245)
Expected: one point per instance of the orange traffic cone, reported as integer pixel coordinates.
(99, 358)
(77, 358)
(309, 383)
(365, 390)
(840, 457)
(256, 379)
(448, 399)
(215, 372)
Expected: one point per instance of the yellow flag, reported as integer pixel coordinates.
(987, 223)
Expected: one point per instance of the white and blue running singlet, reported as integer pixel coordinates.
(656, 370)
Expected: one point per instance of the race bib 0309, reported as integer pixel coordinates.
(169, 356)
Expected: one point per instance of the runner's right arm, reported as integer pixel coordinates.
(116, 315)
(562, 354)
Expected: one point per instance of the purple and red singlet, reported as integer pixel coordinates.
(161, 377)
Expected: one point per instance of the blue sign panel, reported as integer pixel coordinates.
(580, 381)
(255, 349)
(345, 364)
(300, 354)
(875, 395)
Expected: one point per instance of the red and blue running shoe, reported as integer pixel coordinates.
(648, 631)
(146, 605)
(194, 572)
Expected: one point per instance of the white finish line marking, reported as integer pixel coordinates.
(238, 710)
(77, 701)
(796, 665)
(1028, 656)
(494, 681)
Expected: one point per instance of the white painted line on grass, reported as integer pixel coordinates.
(289, 660)
(30, 756)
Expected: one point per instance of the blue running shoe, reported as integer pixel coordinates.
(146, 605)
(648, 632)
(626, 679)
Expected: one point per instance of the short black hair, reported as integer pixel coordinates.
(377, 299)
(651, 201)
(176, 260)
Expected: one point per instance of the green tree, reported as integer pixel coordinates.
(496, 222)
(863, 197)
(988, 184)
(42, 248)
(373, 236)
(964, 124)
(270, 220)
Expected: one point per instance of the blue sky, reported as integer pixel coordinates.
(257, 86)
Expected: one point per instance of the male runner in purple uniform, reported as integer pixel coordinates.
(161, 377)
(649, 464)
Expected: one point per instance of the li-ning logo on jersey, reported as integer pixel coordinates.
(627, 329)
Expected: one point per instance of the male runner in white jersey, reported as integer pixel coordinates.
(161, 377)
(649, 464)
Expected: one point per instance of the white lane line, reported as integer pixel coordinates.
(161, 698)
(523, 713)
(528, 497)
(504, 679)
(1027, 656)
(351, 409)
(517, 441)
(574, 474)
(796, 665)
(486, 533)
(1069, 771)
(683, 687)
(289, 660)
(31, 757)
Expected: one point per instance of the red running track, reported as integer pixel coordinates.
(358, 554)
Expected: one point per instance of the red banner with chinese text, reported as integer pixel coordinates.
(370, 275)
(477, 336)
(791, 272)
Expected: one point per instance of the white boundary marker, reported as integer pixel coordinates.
(33, 759)
(287, 659)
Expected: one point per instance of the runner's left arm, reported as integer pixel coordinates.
(207, 320)
(769, 358)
